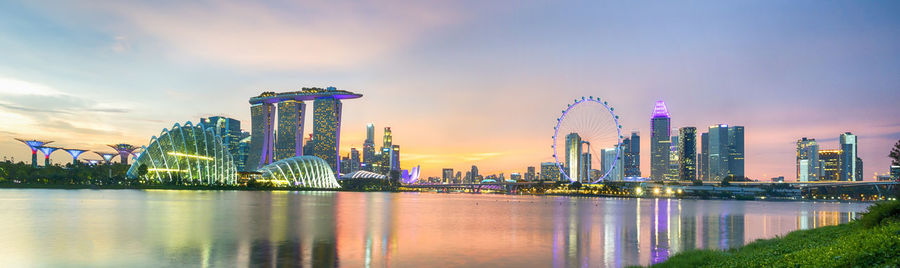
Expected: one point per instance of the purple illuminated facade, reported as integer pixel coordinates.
(410, 176)
(75, 153)
(124, 151)
(660, 141)
(47, 151)
(34, 145)
(266, 147)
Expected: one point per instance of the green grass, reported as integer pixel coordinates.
(845, 245)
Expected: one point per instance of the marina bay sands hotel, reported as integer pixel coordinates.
(266, 146)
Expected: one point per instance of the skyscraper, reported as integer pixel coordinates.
(474, 174)
(607, 159)
(447, 175)
(631, 150)
(240, 158)
(228, 129)
(703, 159)
(289, 141)
(585, 169)
(327, 130)
(573, 156)
(848, 157)
(660, 122)
(807, 160)
(830, 164)
(395, 157)
(262, 119)
(387, 139)
(718, 153)
(529, 175)
(736, 151)
(550, 172)
(687, 153)
(369, 148)
(354, 160)
(674, 160)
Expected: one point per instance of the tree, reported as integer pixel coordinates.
(142, 170)
(895, 154)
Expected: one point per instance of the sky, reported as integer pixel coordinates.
(460, 83)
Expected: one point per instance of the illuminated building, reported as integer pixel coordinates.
(387, 139)
(34, 145)
(848, 157)
(895, 172)
(529, 174)
(830, 165)
(395, 157)
(607, 158)
(447, 175)
(262, 120)
(75, 153)
(585, 169)
(631, 150)
(549, 172)
(369, 148)
(326, 125)
(474, 174)
(674, 158)
(124, 151)
(717, 161)
(327, 129)
(703, 158)
(229, 129)
(736, 151)
(660, 142)
(47, 151)
(289, 140)
(240, 159)
(807, 160)
(859, 169)
(300, 171)
(354, 160)
(186, 154)
(687, 153)
(573, 156)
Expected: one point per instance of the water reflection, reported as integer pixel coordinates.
(50, 228)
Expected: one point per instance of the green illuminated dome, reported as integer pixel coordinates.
(305, 171)
(186, 154)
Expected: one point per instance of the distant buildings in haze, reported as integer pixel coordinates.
(815, 164)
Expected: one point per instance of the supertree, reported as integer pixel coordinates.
(124, 151)
(75, 153)
(34, 145)
(106, 156)
(47, 151)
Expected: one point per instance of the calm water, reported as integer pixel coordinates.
(126, 228)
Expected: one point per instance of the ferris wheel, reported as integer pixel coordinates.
(587, 137)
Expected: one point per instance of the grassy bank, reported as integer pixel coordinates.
(872, 241)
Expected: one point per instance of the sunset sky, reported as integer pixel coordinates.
(459, 83)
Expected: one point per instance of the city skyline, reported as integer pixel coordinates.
(141, 76)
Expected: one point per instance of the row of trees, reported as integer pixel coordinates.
(69, 174)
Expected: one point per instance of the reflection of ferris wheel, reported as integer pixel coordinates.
(582, 127)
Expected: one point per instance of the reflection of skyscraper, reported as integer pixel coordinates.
(660, 123)
(289, 141)
(631, 149)
(327, 130)
(573, 156)
(807, 160)
(848, 157)
(687, 153)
